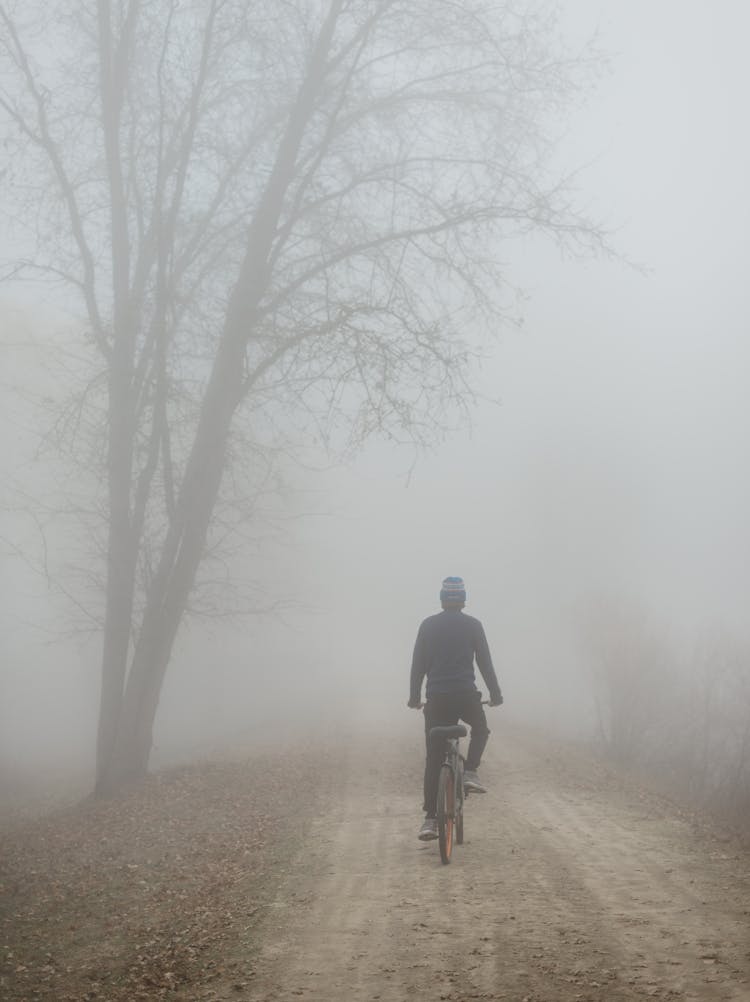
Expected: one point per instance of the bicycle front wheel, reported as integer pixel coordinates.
(460, 803)
(446, 811)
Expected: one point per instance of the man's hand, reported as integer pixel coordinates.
(497, 702)
(415, 704)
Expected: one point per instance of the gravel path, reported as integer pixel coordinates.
(570, 886)
(270, 880)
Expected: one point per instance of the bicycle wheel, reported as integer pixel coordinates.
(460, 804)
(446, 806)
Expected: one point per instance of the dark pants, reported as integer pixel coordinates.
(443, 710)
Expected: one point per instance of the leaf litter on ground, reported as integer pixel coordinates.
(151, 894)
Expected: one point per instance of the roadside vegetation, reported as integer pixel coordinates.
(682, 720)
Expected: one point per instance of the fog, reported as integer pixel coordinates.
(606, 459)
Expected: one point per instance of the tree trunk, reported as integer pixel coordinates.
(121, 555)
(176, 574)
(184, 546)
(121, 549)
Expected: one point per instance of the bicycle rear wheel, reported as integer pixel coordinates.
(460, 803)
(446, 807)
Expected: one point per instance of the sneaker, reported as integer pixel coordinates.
(472, 783)
(429, 830)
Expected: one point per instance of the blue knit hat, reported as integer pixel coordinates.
(453, 591)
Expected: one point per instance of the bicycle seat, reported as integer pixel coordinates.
(445, 733)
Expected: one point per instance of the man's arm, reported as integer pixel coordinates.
(486, 668)
(418, 671)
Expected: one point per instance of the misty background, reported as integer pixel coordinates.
(607, 459)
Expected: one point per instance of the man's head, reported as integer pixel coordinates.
(453, 593)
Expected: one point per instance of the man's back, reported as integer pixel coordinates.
(444, 652)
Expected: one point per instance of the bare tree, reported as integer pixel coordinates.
(631, 668)
(269, 210)
(687, 725)
(715, 741)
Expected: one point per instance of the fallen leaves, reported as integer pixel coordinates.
(148, 896)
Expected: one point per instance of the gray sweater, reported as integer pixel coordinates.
(444, 653)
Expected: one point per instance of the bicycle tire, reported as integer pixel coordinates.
(460, 804)
(446, 804)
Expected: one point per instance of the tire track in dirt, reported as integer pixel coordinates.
(673, 901)
(566, 889)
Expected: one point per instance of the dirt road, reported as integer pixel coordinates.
(571, 886)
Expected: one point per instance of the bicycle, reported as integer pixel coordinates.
(451, 794)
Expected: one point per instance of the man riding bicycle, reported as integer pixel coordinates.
(446, 646)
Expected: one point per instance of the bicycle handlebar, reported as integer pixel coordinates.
(421, 706)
